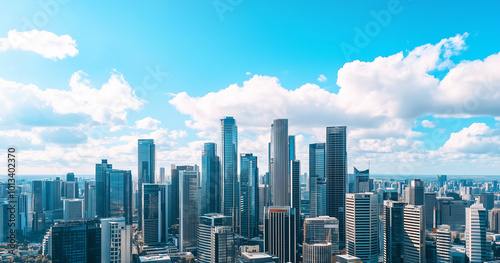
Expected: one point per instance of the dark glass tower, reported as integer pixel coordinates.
(317, 189)
(146, 165)
(249, 188)
(173, 193)
(155, 229)
(336, 171)
(280, 164)
(102, 184)
(210, 174)
(229, 169)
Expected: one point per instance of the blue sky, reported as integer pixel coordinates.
(146, 54)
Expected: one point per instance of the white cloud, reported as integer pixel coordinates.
(248, 73)
(322, 78)
(44, 43)
(478, 138)
(107, 106)
(147, 123)
(428, 124)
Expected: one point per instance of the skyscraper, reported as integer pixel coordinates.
(73, 209)
(416, 192)
(75, 241)
(362, 226)
(215, 239)
(494, 220)
(90, 199)
(475, 234)
(163, 177)
(393, 231)
(279, 232)
(173, 193)
(38, 213)
(362, 183)
(52, 191)
(116, 240)
(249, 190)
(210, 174)
(280, 178)
(430, 204)
(321, 239)
(442, 180)
(317, 184)
(229, 169)
(188, 210)
(155, 216)
(146, 165)
(414, 234)
(443, 244)
(295, 195)
(102, 188)
(335, 176)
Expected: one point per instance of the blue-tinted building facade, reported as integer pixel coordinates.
(229, 168)
(249, 189)
(146, 167)
(210, 174)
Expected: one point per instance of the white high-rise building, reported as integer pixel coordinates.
(362, 232)
(443, 244)
(116, 240)
(279, 233)
(414, 234)
(215, 239)
(321, 239)
(475, 233)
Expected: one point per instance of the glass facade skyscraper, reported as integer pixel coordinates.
(173, 193)
(188, 212)
(146, 167)
(280, 164)
(229, 169)
(335, 176)
(249, 189)
(155, 216)
(210, 174)
(317, 185)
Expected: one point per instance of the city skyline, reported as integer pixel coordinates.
(418, 93)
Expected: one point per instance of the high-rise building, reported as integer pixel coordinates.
(263, 201)
(295, 196)
(430, 202)
(335, 176)
(155, 215)
(74, 241)
(393, 231)
(52, 191)
(280, 177)
(38, 211)
(215, 239)
(317, 184)
(442, 180)
(321, 239)
(249, 190)
(475, 234)
(188, 210)
(495, 220)
(114, 192)
(279, 233)
(414, 234)
(173, 193)
(416, 192)
(210, 174)
(443, 244)
(362, 181)
(362, 226)
(451, 212)
(146, 165)
(116, 240)
(90, 199)
(163, 176)
(73, 209)
(229, 169)
(488, 200)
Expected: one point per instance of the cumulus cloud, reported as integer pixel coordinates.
(322, 78)
(44, 43)
(106, 106)
(147, 123)
(428, 124)
(478, 138)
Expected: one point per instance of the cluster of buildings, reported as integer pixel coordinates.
(229, 211)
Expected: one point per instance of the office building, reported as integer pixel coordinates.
(450, 212)
(280, 177)
(416, 194)
(257, 257)
(216, 239)
(52, 191)
(279, 233)
(249, 190)
(210, 174)
(116, 240)
(362, 237)
(90, 199)
(495, 220)
(414, 234)
(102, 188)
(430, 202)
(263, 201)
(74, 241)
(73, 209)
(173, 193)
(443, 244)
(362, 181)
(393, 231)
(295, 195)
(321, 239)
(475, 234)
(317, 184)
(146, 169)
(229, 169)
(335, 176)
(488, 200)
(188, 210)
(155, 215)
(163, 176)
(38, 211)
(442, 180)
